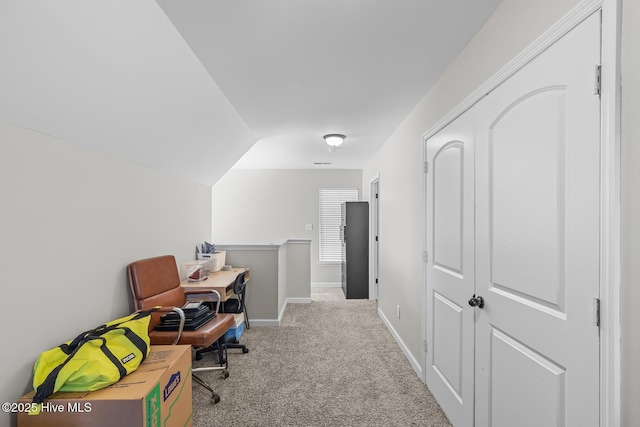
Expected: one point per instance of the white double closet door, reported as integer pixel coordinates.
(513, 215)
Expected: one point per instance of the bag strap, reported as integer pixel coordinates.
(69, 348)
(48, 385)
(136, 341)
(121, 369)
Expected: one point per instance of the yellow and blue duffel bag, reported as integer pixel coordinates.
(94, 359)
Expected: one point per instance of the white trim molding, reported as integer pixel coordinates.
(250, 247)
(272, 246)
(610, 223)
(298, 300)
(264, 322)
(298, 242)
(373, 289)
(326, 285)
(610, 209)
(412, 360)
(562, 27)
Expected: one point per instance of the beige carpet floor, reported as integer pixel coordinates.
(331, 363)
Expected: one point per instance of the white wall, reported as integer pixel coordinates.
(514, 25)
(71, 219)
(298, 270)
(630, 213)
(264, 206)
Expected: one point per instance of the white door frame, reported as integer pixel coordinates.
(610, 210)
(374, 211)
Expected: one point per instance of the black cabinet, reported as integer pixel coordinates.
(355, 249)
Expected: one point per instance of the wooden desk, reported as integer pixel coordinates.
(222, 281)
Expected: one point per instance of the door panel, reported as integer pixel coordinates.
(447, 344)
(447, 218)
(531, 396)
(526, 188)
(537, 240)
(450, 269)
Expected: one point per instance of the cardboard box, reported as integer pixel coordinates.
(234, 334)
(238, 319)
(158, 393)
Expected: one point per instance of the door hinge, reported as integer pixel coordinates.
(425, 346)
(376, 238)
(596, 312)
(425, 256)
(597, 90)
(426, 167)
(376, 280)
(376, 195)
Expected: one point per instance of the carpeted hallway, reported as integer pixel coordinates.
(331, 363)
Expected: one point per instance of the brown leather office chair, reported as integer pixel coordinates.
(155, 282)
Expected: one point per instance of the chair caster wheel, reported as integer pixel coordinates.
(245, 350)
(215, 398)
(224, 374)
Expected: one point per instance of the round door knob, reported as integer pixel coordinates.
(476, 301)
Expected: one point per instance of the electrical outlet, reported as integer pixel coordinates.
(398, 310)
(308, 227)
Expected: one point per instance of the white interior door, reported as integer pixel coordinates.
(537, 240)
(450, 269)
(513, 214)
(374, 206)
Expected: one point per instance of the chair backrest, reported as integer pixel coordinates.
(239, 288)
(240, 284)
(155, 281)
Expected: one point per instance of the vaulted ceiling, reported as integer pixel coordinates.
(194, 87)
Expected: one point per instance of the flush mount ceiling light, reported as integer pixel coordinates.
(334, 140)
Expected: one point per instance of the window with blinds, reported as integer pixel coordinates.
(330, 218)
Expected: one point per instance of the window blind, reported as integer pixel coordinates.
(331, 200)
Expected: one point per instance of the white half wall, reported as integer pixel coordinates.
(71, 220)
(280, 273)
(263, 205)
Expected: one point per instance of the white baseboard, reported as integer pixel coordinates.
(412, 360)
(326, 285)
(298, 301)
(264, 322)
(284, 307)
(276, 322)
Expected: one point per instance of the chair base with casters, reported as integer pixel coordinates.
(216, 329)
(155, 282)
(223, 374)
(234, 344)
(219, 347)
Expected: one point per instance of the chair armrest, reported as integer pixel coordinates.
(182, 319)
(207, 291)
